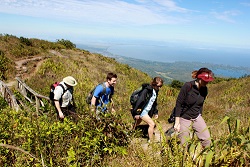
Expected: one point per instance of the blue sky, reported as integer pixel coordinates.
(212, 22)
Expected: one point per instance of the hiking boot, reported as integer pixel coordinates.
(170, 131)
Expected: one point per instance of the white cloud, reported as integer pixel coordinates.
(226, 16)
(99, 11)
(245, 4)
(171, 5)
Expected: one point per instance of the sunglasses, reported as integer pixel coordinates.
(208, 75)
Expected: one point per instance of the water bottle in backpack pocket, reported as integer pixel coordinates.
(90, 94)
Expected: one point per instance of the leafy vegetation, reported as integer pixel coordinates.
(28, 139)
(225, 151)
(3, 103)
(25, 41)
(176, 84)
(3, 65)
(55, 143)
(68, 44)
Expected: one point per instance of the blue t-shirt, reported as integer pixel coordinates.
(102, 98)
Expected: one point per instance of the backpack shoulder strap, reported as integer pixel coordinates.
(104, 88)
(191, 86)
(64, 90)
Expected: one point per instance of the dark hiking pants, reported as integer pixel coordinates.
(68, 111)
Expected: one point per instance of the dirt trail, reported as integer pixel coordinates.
(22, 67)
(56, 53)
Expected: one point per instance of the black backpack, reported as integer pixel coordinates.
(90, 95)
(136, 94)
(52, 89)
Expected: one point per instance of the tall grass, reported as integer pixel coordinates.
(232, 150)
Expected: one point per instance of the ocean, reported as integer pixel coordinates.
(227, 56)
(234, 62)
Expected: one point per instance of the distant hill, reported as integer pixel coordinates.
(179, 70)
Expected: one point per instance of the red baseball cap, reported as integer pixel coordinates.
(207, 77)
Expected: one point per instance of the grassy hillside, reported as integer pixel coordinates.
(42, 135)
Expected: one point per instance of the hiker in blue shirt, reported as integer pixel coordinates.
(100, 99)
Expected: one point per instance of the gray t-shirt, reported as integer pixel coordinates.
(67, 96)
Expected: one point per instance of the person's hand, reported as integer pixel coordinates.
(61, 115)
(92, 108)
(177, 127)
(156, 116)
(137, 117)
(113, 110)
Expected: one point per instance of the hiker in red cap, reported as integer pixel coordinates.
(189, 104)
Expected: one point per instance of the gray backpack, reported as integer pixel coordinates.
(90, 95)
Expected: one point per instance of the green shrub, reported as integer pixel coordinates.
(232, 149)
(3, 66)
(25, 41)
(176, 84)
(82, 143)
(68, 44)
(22, 50)
(3, 103)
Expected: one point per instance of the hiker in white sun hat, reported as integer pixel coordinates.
(69, 80)
(63, 98)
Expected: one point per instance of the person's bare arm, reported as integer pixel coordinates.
(93, 101)
(58, 107)
(177, 124)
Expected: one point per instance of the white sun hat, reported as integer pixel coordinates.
(69, 80)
